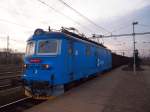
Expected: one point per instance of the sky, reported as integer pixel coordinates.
(19, 19)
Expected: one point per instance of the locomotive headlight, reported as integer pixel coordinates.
(46, 66)
(25, 65)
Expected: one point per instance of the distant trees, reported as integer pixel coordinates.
(8, 56)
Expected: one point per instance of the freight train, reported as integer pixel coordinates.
(55, 59)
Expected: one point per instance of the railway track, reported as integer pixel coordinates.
(20, 105)
(8, 86)
(9, 82)
(8, 69)
(12, 72)
(9, 79)
(28, 102)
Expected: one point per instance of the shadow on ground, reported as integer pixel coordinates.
(129, 68)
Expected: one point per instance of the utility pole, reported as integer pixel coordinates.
(125, 35)
(7, 50)
(134, 61)
(7, 44)
(123, 53)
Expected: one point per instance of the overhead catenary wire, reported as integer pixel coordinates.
(87, 19)
(120, 28)
(148, 26)
(24, 26)
(134, 7)
(119, 35)
(7, 21)
(83, 16)
(18, 41)
(59, 12)
(68, 17)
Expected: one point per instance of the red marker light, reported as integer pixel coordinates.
(35, 60)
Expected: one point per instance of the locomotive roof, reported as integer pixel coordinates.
(38, 34)
(81, 37)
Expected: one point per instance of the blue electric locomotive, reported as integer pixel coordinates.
(54, 59)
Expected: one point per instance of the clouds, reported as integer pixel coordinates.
(21, 17)
(124, 25)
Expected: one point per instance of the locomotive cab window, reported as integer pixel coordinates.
(48, 47)
(30, 48)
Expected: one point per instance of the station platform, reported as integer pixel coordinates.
(114, 91)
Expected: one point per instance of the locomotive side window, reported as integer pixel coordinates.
(96, 52)
(88, 50)
(30, 48)
(70, 47)
(47, 47)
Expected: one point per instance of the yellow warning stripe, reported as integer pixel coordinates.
(27, 93)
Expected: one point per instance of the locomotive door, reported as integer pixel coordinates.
(97, 58)
(70, 60)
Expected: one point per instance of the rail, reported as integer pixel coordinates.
(9, 82)
(3, 73)
(20, 105)
(17, 101)
(10, 77)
